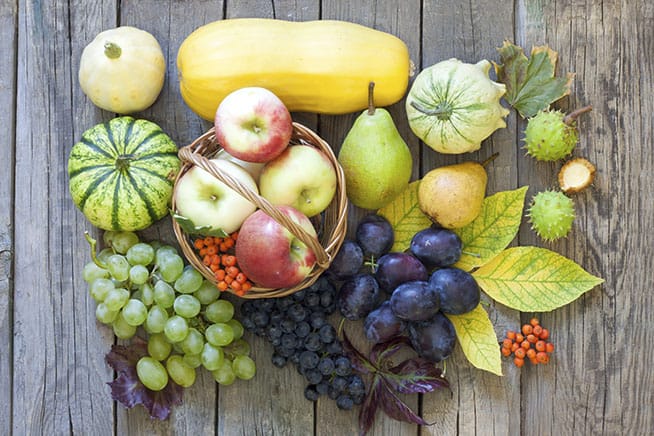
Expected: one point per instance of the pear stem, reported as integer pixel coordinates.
(371, 100)
(572, 116)
(490, 159)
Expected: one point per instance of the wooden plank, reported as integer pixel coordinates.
(398, 18)
(8, 20)
(594, 386)
(481, 402)
(273, 402)
(58, 368)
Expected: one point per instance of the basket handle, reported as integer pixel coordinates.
(188, 154)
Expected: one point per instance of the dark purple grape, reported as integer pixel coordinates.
(375, 235)
(436, 247)
(414, 301)
(348, 261)
(381, 324)
(433, 339)
(393, 269)
(458, 290)
(358, 296)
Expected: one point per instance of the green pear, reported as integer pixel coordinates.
(376, 161)
(452, 195)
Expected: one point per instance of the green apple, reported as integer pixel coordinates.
(302, 177)
(207, 201)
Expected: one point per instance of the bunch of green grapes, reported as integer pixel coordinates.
(147, 285)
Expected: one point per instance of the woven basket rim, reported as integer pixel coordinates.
(334, 218)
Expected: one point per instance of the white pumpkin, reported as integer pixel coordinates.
(122, 70)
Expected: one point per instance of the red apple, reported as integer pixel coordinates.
(253, 124)
(269, 254)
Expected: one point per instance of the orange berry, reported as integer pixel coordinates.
(198, 244)
(235, 285)
(223, 247)
(214, 267)
(544, 334)
(519, 338)
(525, 345)
(222, 285)
(534, 322)
(229, 243)
(549, 347)
(228, 260)
(542, 357)
(232, 271)
(532, 339)
(531, 353)
(203, 252)
(510, 335)
(520, 353)
(228, 279)
(220, 274)
(540, 346)
(209, 240)
(246, 286)
(533, 360)
(519, 362)
(206, 260)
(506, 343)
(234, 236)
(211, 250)
(241, 278)
(515, 346)
(538, 330)
(527, 329)
(506, 352)
(215, 259)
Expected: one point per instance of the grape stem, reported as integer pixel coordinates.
(92, 244)
(572, 116)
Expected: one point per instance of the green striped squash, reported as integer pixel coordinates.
(122, 174)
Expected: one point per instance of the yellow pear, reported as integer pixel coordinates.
(452, 195)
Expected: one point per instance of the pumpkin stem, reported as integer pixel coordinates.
(572, 116)
(371, 100)
(122, 161)
(443, 111)
(112, 50)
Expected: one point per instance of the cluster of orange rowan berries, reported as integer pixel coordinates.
(530, 343)
(218, 254)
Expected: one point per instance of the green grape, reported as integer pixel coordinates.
(92, 271)
(104, 315)
(100, 288)
(224, 374)
(219, 334)
(193, 360)
(164, 250)
(219, 311)
(122, 329)
(156, 319)
(104, 254)
(237, 327)
(158, 346)
(147, 294)
(139, 274)
(135, 312)
(239, 348)
(116, 299)
(193, 342)
(207, 293)
(212, 357)
(140, 254)
(164, 294)
(244, 367)
(176, 329)
(171, 267)
(179, 371)
(118, 267)
(189, 282)
(107, 237)
(187, 306)
(152, 373)
(123, 241)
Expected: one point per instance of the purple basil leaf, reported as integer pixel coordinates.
(127, 389)
(416, 375)
(122, 358)
(397, 409)
(370, 405)
(359, 361)
(159, 404)
(385, 350)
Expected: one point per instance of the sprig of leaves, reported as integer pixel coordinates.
(189, 227)
(388, 379)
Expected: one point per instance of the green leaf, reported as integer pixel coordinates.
(531, 84)
(404, 214)
(190, 228)
(534, 279)
(493, 230)
(478, 339)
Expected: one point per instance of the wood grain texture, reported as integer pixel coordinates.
(8, 17)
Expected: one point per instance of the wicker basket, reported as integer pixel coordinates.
(331, 226)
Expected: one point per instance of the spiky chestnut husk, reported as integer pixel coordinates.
(548, 137)
(551, 214)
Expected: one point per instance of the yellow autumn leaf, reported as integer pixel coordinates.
(478, 339)
(404, 214)
(534, 279)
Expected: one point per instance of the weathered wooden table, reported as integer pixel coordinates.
(52, 369)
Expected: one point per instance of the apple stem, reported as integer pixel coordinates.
(371, 100)
(572, 116)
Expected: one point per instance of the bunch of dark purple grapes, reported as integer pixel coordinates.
(404, 293)
(298, 329)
